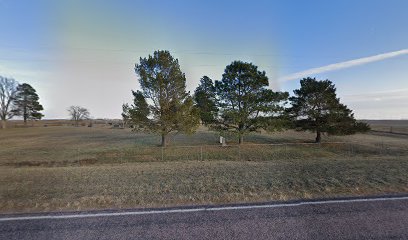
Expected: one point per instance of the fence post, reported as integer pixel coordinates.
(201, 153)
(162, 154)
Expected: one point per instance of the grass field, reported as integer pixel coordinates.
(76, 168)
(389, 126)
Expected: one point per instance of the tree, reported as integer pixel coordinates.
(245, 103)
(26, 103)
(138, 112)
(8, 91)
(78, 114)
(315, 107)
(206, 102)
(163, 105)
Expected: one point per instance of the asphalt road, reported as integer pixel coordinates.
(377, 218)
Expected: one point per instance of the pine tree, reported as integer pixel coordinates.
(246, 104)
(163, 105)
(27, 103)
(315, 107)
(206, 101)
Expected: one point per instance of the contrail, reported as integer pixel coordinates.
(341, 65)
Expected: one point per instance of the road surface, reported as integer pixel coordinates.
(375, 218)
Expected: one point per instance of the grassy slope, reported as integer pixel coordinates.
(300, 172)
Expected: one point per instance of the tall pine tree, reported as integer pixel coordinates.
(246, 104)
(315, 107)
(206, 101)
(26, 103)
(162, 106)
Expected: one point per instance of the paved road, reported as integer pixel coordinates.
(377, 218)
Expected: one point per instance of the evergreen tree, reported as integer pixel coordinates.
(246, 104)
(26, 103)
(137, 113)
(315, 107)
(206, 101)
(163, 105)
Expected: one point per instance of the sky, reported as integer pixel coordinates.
(83, 52)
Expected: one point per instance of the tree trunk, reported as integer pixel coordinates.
(164, 140)
(241, 139)
(25, 117)
(318, 136)
(3, 124)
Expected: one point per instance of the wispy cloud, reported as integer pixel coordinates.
(341, 65)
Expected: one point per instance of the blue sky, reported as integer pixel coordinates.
(83, 52)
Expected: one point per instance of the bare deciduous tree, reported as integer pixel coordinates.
(78, 114)
(8, 91)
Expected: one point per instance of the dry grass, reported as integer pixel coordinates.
(68, 168)
(174, 183)
(389, 126)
